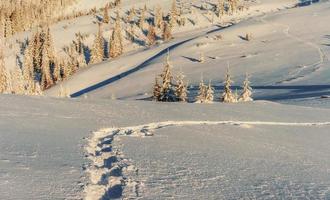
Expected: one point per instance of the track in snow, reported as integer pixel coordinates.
(302, 71)
(109, 165)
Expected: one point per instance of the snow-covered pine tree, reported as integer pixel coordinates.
(228, 96)
(9, 83)
(131, 15)
(116, 41)
(50, 45)
(158, 17)
(63, 92)
(167, 31)
(209, 98)
(181, 90)
(46, 76)
(97, 52)
(201, 97)
(37, 89)
(247, 90)
(8, 27)
(157, 90)
(220, 9)
(18, 86)
(57, 74)
(236, 96)
(167, 88)
(151, 35)
(37, 47)
(201, 57)
(28, 68)
(173, 14)
(106, 18)
(3, 71)
(142, 19)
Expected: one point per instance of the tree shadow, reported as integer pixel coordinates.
(243, 38)
(87, 53)
(307, 2)
(327, 37)
(191, 59)
(106, 48)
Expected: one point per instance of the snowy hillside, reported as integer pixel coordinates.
(274, 151)
(201, 99)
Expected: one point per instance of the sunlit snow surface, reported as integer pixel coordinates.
(67, 149)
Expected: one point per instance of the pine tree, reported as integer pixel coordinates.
(106, 18)
(158, 17)
(131, 15)
(201, 97)
(227, 95)
(8, 27)
(142, 19)
(181, 90)
(57, 71)
(173, 14)
(46, 76)
(209, 94)
(64, 92)
(220, 10)
(28, 68)
(247, 90)
(157, 90)
(167, 32)
(48, 42)
(37, 89)
(97, 52)
(116, 42)
(167, 87)
(151, 35)
(201, 57)
(3, 72)
(37, 47)
(18, 86)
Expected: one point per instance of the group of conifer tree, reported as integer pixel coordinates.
(15, 81)
(22, 15)
(42, 67)
(166, 89)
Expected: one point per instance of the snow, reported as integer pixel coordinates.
(91, 147)
(286, 63)
(43, 142)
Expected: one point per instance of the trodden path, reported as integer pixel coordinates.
(108, 164)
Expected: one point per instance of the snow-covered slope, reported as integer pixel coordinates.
(287, 59)
(43, 141)
(97, 148)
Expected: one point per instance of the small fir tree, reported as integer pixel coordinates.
(46, 76)
(209, 94)
(116, 42)
(247, 90)
(181, 90)
(158, 17)
(227, 96)
(3, 72)
(106, 18)
(151, 35)
(168, 89)
(97, 52)
(167, 32)
(201, 97)
(142, 19)
(157, 90)
(201, 57)
(28, 69)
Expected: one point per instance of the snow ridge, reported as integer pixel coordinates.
(109, 165)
